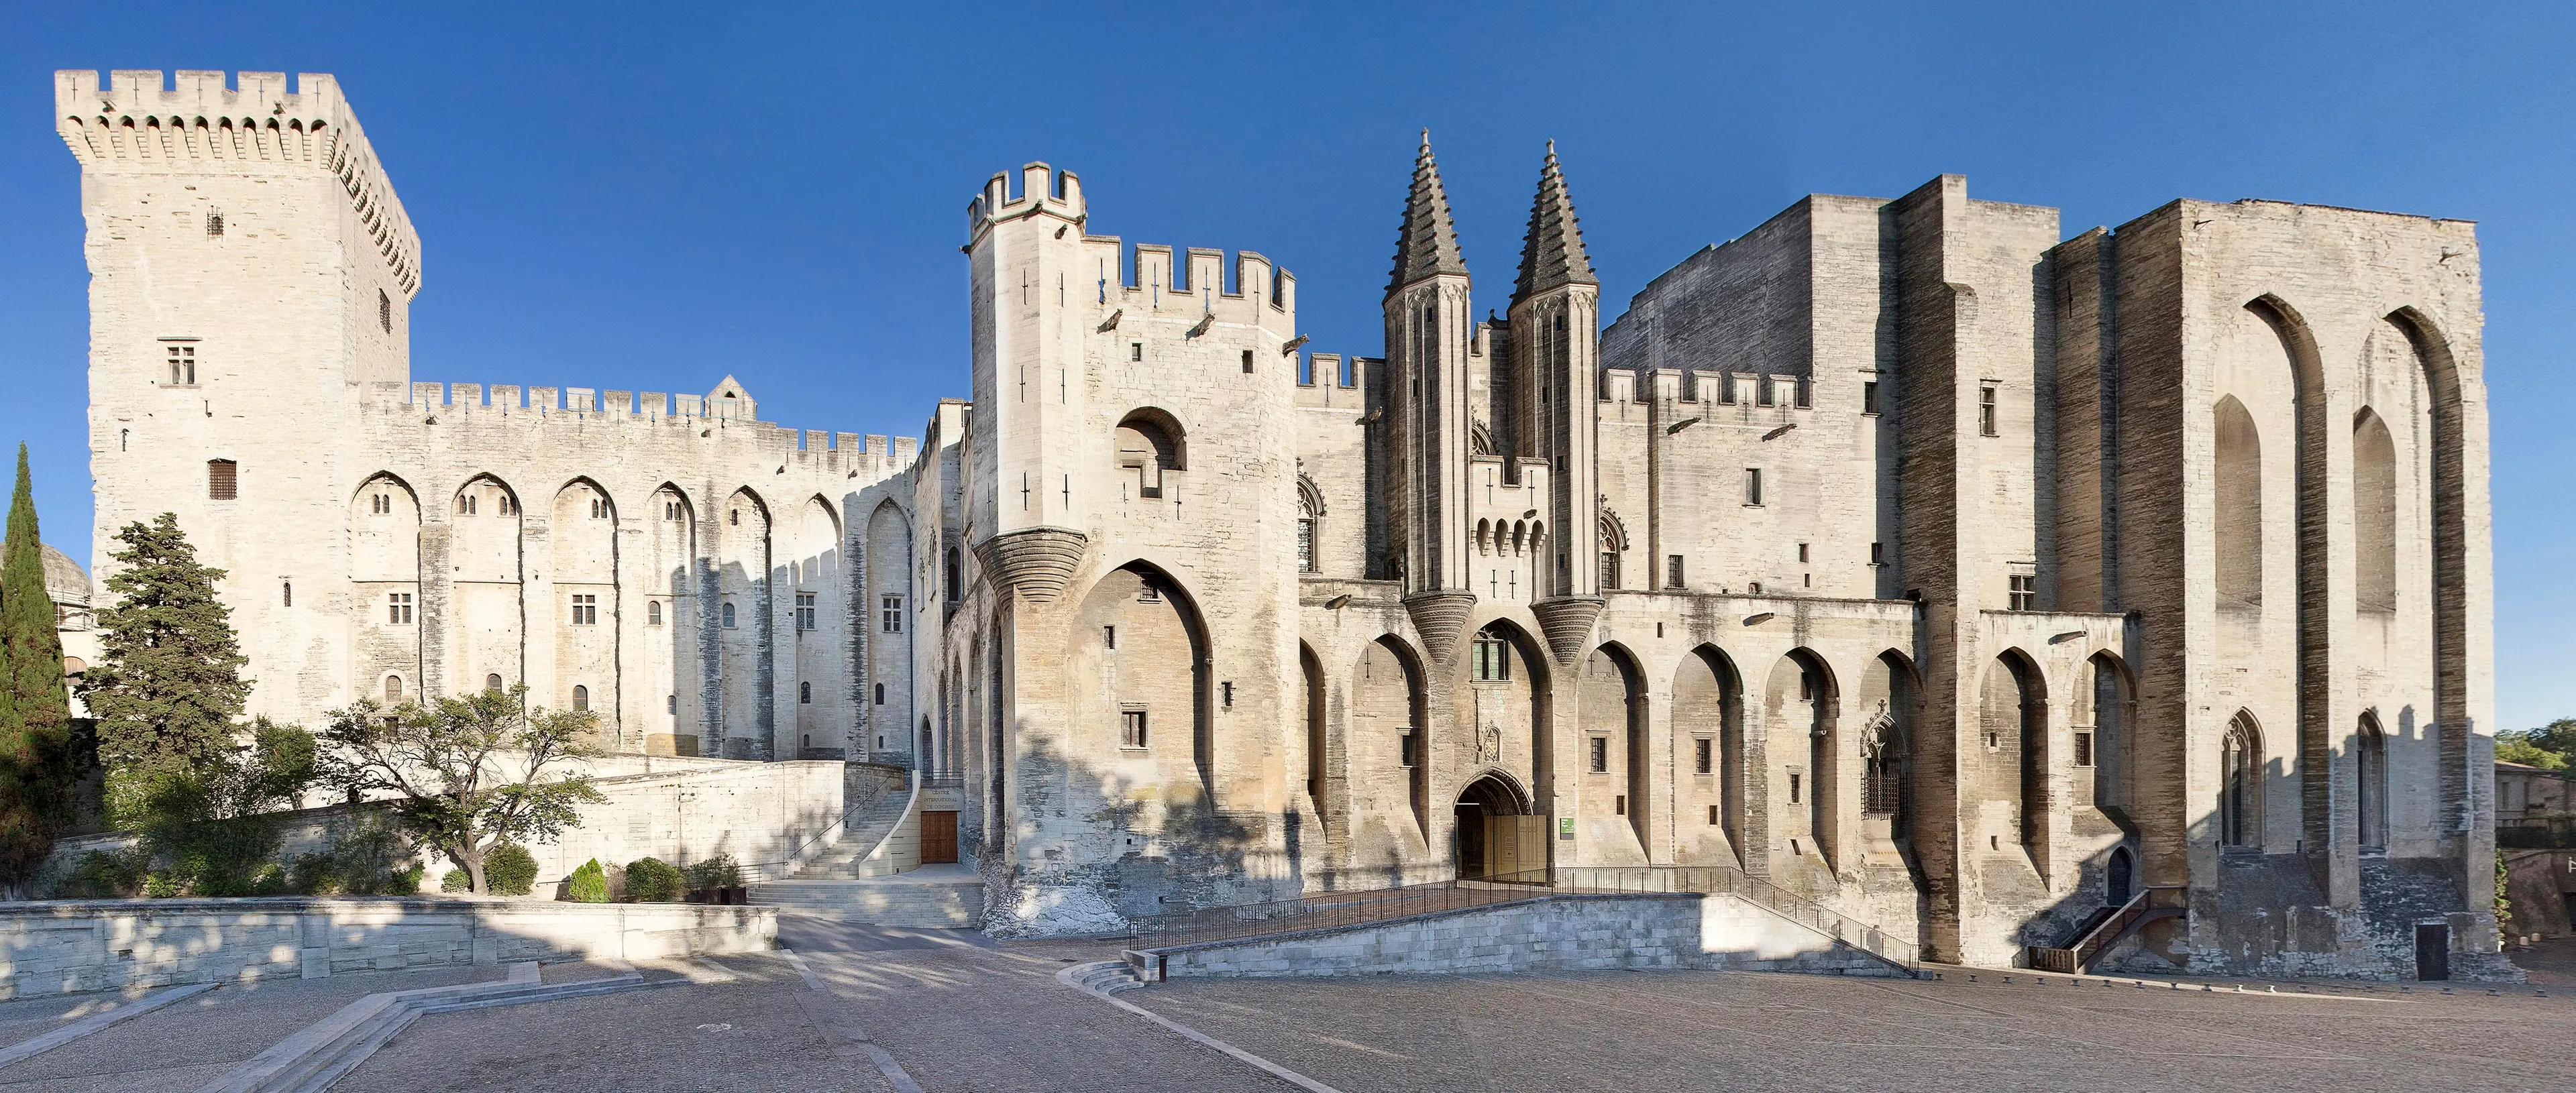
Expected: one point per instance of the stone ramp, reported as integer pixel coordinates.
(934, 896)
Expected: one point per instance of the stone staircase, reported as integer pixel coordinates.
(857, 880)
(877, 799)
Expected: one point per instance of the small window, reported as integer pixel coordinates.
(804, 693)
(1753, 485)
(1247, 362)
(671, 704)
(580, 699)
(286, 593)
(1150, 593)
(728, 616)
(670, 510)
(380, 505)
(1131, 728)
(1713, 820)
(1600, 755)
(492, 682)
(384, 311)
(1609, 571)
(2025, 592)
(214, 225)
(1306, 545)
(652, 612)
(183, 365)
(1673, 571)
(1878, 554)
(1869, 397)
(464, 504)
(598, 508)
(1135, 351)
(1986, 411)
(1619, 804)
(398, 608)
(1802, 552)
(1492, 658)
(892, 615)
(223, 480)
(1797, 786)
(509, 507)
(1405, 746)
(806, 615)
(881, 694)
(734, 517)
(2083, 749)
(585, 609)
(1704, 756)
(393, 688)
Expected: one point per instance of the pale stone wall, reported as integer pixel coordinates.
(97, 945)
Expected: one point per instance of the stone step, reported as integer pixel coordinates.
(878, 902)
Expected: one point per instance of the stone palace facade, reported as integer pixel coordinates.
(1949, 572)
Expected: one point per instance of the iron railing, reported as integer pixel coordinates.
(1326, 910)
(2076, 957)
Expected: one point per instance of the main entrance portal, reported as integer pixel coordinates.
(1497, 838)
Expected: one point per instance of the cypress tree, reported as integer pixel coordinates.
(38, 770)
(171, 685)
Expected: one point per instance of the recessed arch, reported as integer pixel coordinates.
(1708, 713)
(2370, 752)
(1151, 445)
(2014, 720)
(2240, 782)
(2451, 489)
(2237, 499)
(1389, 720)
(2374, 513)
(1612, 705)
(1152, 639)
(1805, 700)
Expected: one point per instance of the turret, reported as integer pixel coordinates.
(1556, 354)
(1428, 337)
(1027, 257)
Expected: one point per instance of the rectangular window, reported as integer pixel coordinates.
(183, 365)
(1713, 821)
(1492, 658)
(1599, 758)
(1131, 728)
(222, 479)
(1869, 397)
(1802, 552)
(398, 608)
(2084, 749)
(1405, 748)
(891, 615)
(2025, 592)
(1109, 638)
(1878, 554)
(1797, 783)
(1704, 756)
(1247, 362)
(1619, 804)
(805, 612)
(1753, 485)
(1986, 411)
(1135, 351)
(585, 609)
(1305, 546)
(1673, 571)
(214, 225)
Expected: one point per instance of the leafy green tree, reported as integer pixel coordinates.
(40, 766)
(589, 884)
(467, 774)
(171, 684)
(211, 826)
(2549, 747)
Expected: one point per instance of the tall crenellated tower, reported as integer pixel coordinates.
(1556, 359)
(1429, 332)
(250, 269)
(1028, 348)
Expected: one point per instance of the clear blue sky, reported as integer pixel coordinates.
(652, 196)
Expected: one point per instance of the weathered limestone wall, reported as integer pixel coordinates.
(97, 945)
(1561, 933)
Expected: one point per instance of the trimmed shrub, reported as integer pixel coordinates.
(716, 872)
(105, 874)
(589, 884)
(509, 870)
(652, 880)
(456, 880)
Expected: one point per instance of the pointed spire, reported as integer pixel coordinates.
(1552, 252)
(1428, 245)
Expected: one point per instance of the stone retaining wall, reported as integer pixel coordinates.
(1548, 933)
(90, 945)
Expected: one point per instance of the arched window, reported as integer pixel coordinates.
(2372, 751)
(1614, 539)
(671, 704)
(728, 615)
(2237, 496)
(652, 612)
(286, 593)
(956, 577)
(1882, 777)
(2240, 784)
(805, 693)
(1492, 657)
(492, 682)
(393, 688)
(1149, 446)
(580, 699)
(2374, 509)
(881, 694)
(1310, 511)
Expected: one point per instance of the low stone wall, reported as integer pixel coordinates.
(1548, 933)
(92, 945)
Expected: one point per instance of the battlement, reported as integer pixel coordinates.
(1042, 189)
(1757, 390)
(1149, 280)
(1332, 380)
(589, 404)
(139, 121)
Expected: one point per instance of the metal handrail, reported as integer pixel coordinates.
(2079, 954)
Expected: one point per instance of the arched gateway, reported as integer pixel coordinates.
(1497, 837)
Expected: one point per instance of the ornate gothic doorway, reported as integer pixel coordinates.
(1497, 838)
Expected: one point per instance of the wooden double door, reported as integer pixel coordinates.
(1502, 847)
(938, 838)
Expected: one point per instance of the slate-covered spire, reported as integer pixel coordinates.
(1552, 252)
(1428, 245)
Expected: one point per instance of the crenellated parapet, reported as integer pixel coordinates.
(586, 408)
(139, 121)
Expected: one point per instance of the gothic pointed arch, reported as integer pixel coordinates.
(1708, 729)
(1143, 634)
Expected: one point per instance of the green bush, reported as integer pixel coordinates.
(163, 884)
(456, 880)
(105, 874)
(589, 884)
(509, 870)
(716, 872)
(313, 875)
(370, 857)
(652, 880)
